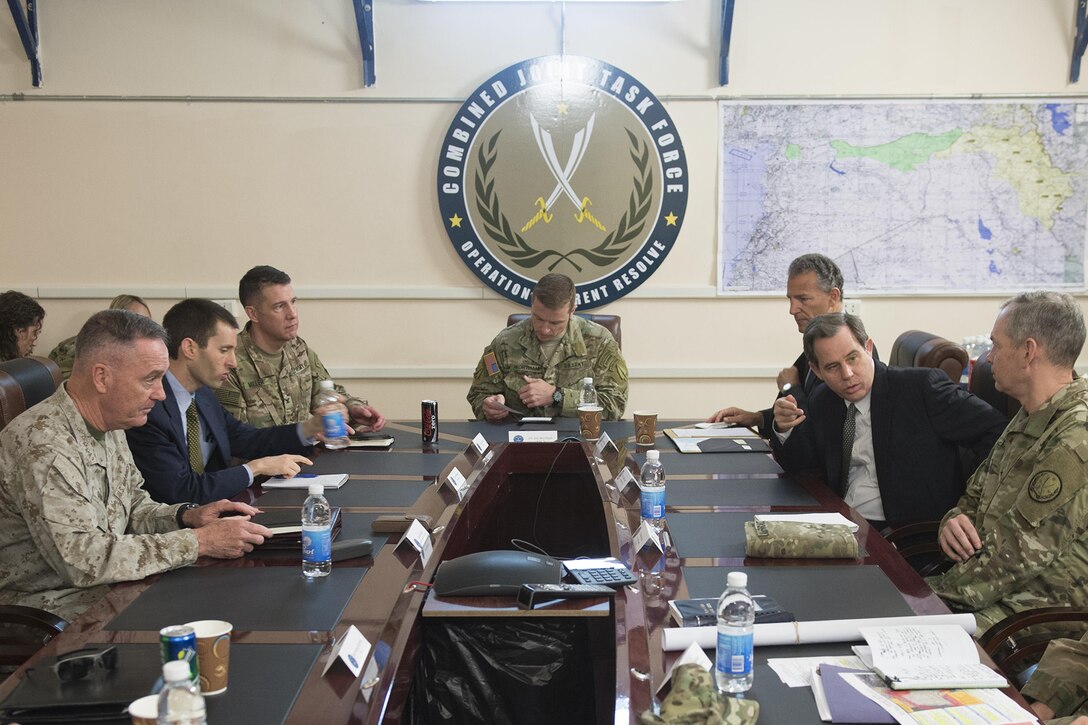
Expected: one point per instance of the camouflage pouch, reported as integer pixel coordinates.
(795, 540)
(694, 700)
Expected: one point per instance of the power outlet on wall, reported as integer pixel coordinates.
(232, 306)
(852, 307)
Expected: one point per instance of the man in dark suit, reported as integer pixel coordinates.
(185, 449)
(885, 439)
(814, 287)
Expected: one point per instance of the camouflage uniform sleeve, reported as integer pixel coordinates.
(1049, 515)
(64, 355)
(1061, 681)
(65, 527)
(610, 380)
(230, 397)
(320, 372)
(484, 384)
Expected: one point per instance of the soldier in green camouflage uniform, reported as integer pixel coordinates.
(536, 366)
(1061, 682)
(74, 516)
(278, 374)
(64, 354)
(1019, 534)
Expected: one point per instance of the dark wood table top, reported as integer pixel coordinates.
(384, 601)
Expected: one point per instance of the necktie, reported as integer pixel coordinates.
(849, 427)
(192, 425)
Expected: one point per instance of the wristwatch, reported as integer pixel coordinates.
(180, 515)
(557, 396)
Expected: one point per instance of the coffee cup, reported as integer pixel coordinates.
(213, 654)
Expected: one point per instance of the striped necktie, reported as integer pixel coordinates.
(849, 427)
(192, 425)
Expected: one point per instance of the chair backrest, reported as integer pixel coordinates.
(917, 349)
(25, 382)
(981, 383)
(609, 322)
(23, 631)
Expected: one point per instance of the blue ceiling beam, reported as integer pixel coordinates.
(27, 25)
(364, 19)
(727, 32)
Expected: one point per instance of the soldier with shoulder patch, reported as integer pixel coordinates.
(1019, 534)
(536, 366)
(278, 373)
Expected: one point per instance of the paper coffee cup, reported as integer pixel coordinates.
(645, 427)
(213, 654)
(589, 418)
(144, 711)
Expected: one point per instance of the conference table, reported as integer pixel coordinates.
(563, 496)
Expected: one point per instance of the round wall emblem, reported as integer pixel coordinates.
(562, 164)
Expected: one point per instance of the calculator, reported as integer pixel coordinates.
(612, 575)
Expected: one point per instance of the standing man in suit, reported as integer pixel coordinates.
(184, 451)
(278, 373)
(1019, 535)
(885, 439)
(813, 287)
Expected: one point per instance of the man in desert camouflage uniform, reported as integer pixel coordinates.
(536, 366)
(73, 514)
(1019, 534)
(278, 373)
(1060, 684)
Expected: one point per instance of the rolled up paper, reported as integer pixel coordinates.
(829, 630)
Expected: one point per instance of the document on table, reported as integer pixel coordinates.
(303, 481)
(797, 671)
(826, 518)
(708, 432)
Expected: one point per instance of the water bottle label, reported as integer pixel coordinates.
(653, 503)
(333, 422)
(734, 657)
(316, 544)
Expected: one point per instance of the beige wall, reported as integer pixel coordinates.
(175, 184)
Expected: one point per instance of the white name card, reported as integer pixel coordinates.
(533, 436)
(480, 443)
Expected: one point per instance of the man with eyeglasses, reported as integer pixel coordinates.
(74, 516)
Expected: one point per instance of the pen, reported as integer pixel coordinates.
(298, 475)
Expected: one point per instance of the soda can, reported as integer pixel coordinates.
(429, 410)
(178, 642)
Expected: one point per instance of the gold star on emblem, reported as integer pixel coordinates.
(562, 108)
(670, 219)
(455, 221)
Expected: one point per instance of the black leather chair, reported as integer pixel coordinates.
(23, 631)
(25, 382)
(981, 383)
(1018, 641)
(609, 322)
(917, 349)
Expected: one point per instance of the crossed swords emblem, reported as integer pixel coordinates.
(563, 174)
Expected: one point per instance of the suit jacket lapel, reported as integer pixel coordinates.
(833, 447)
(205, 403)
(880, 412)
(170, 408)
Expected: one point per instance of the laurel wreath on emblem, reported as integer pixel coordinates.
(524, 254)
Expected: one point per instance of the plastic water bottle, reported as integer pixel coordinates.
(180, 701)
(336, 431)
(316, 533)
(652, 490)
(588, 394)
(736, 618)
